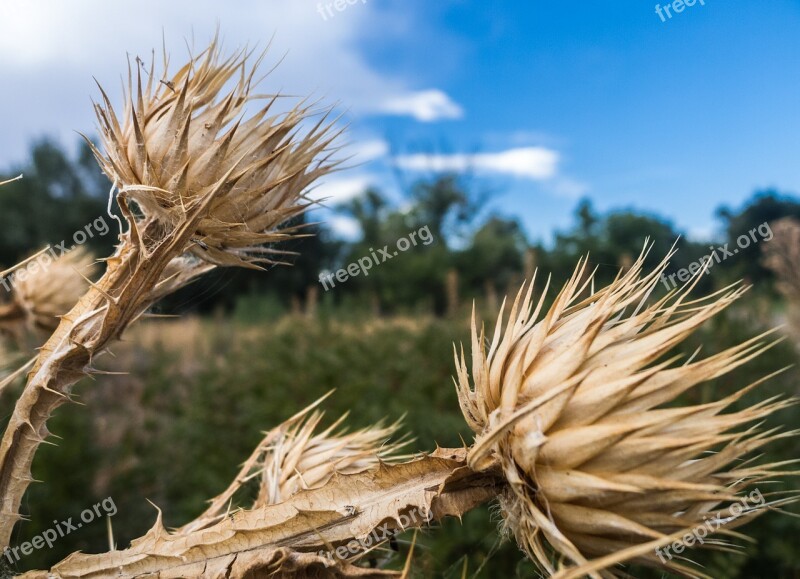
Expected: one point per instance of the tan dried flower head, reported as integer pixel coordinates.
(293, 457)
(572, 407)
(186, 142)
(53, 288)
(298, 459)
(782, 256)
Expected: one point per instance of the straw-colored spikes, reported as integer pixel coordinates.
(576, 409)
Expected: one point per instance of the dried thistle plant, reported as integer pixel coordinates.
(49, 291)
(572, 407)
(575, 436)
(294, 457)
(181, 147)
(782, 256)
(575, 432)
(7, 181)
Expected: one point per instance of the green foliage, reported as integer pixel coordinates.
(495, 253)
(764, 207)
(609, 240)
(61, 195)
(57, 197)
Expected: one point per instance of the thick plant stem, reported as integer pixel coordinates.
(132, 281)
(62, 361)
(314, 533)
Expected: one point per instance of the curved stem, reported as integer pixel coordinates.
(323, 529)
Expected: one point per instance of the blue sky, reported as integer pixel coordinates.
(544, 101)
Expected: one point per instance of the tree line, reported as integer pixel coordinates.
(476, 253)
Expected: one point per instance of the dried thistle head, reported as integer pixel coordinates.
(42, 294)
(782, 256)
(294, 456)
(572, 408)
(185, 144)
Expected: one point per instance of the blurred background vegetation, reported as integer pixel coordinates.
(252, 348)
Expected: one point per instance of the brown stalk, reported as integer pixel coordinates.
(286, 538)
(122, 294)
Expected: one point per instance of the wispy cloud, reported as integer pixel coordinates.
(702, 232)
(51, 50)
(365, 151)
(426, 106)
(335, 191)
(535, 163)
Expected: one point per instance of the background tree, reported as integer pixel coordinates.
(765, 206)
(58, 196)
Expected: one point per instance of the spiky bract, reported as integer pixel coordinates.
(49, 290)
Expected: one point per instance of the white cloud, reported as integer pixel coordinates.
(51, 49)
(700, 233)
(335, 191)
(536, 163)
(426, 106)
(344, 227)
(365, 151)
